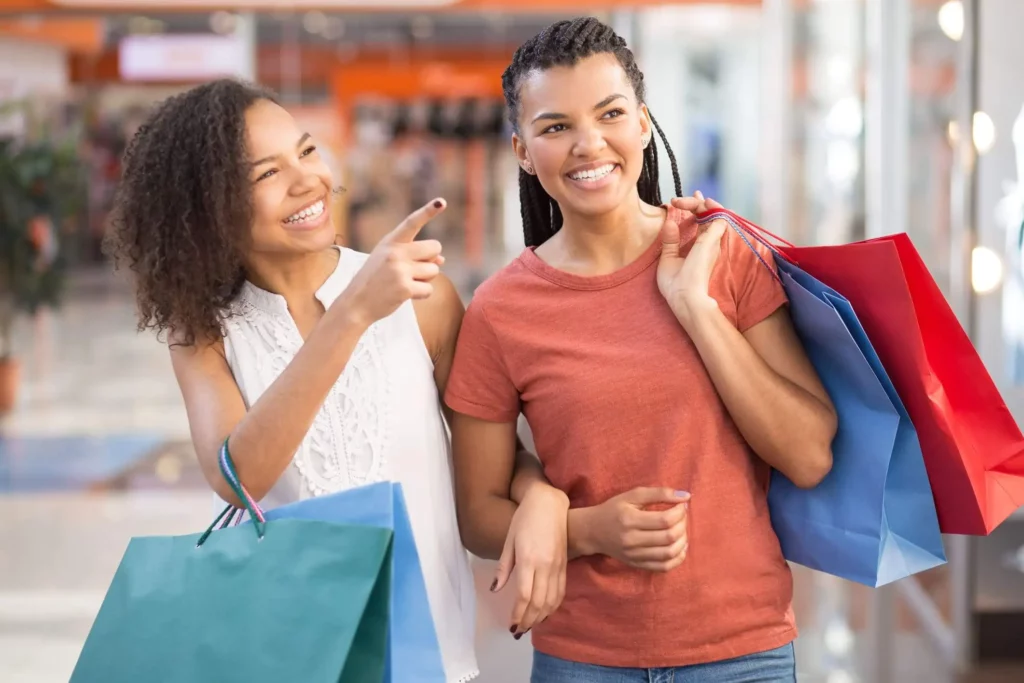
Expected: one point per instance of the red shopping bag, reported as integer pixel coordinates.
(973, 447)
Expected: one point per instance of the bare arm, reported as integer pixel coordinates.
(264, 439)
(771, 390)
(512, 469)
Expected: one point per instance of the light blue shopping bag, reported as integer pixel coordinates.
(872, 519)
(413, 650)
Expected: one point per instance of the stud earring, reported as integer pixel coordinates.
(528, 167)
(646, 139)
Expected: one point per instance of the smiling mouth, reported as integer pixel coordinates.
(592, 175)
(307, 215)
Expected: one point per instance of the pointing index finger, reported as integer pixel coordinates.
(408, 229)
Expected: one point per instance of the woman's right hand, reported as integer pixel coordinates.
(397, 270)
(621, 527)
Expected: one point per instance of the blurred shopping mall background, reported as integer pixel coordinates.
(824, 120)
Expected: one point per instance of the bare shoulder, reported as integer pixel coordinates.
(440, 315)
(200, 358)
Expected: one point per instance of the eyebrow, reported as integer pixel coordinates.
(600, 105)
(264, 160)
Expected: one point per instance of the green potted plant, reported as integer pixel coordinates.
(39, 189)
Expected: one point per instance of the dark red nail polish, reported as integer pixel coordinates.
(518, 636)
(494, 585)
(438, 203)
(514, 628)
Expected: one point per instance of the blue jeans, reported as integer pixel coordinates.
(774, 666)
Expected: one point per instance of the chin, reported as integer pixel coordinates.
(317, 240)
(596, 204)
(291, 243)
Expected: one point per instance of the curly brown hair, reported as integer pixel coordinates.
(183, 210)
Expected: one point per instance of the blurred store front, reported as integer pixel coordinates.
(824, 120)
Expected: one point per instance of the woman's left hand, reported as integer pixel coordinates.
(684, 281)
(537, 549)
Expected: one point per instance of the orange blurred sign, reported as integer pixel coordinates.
(77, 35)
(447, 79)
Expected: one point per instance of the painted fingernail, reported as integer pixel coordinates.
(518, 636)
(494, 584)
(438, 203)
(514, 628)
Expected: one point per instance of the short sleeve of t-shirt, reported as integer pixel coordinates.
(479, 384)
(755, 285)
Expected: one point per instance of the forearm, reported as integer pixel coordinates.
(491, 514)
(265, 440)
(580, 541)
(528, 473)
(785, 425)
(484, 525)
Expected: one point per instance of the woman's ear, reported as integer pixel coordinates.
(522, 154)
(646, 127)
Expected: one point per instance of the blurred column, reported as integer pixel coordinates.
(887, 98)
(776, 141)
(963, 232)
(887, 94)
(245, 32)
(661, 55)
(964, 235)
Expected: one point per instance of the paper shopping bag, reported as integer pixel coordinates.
(413, 650)
(973, 447)
(872, 519)
(294, 600)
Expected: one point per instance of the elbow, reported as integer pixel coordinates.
(816, 461)
(812, 468)
(227, 494)
(468, 532)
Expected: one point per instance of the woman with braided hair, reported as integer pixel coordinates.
(657, 366)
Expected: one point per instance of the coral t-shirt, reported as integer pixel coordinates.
(617, 397)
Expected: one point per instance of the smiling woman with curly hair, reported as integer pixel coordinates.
(184, 206)
(320, 367)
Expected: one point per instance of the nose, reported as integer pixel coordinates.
(589, 141)
(304, 181)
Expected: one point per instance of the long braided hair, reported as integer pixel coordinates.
(565, 43)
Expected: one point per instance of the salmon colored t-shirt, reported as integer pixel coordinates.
(617, 397)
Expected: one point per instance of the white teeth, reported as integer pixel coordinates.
(593, 174)
(309, 213)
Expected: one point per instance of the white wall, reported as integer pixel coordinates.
(28, 68)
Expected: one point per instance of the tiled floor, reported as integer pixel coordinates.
(97, 452)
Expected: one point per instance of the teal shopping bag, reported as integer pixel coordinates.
(285, 600)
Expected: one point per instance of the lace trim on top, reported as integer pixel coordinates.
(346, 444)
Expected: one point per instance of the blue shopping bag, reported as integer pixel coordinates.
(414, 653)
(872, 519)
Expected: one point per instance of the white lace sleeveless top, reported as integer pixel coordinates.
(382, 421)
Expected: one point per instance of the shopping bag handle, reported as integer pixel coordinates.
(739, 222)
(227, 468)
(745, 228)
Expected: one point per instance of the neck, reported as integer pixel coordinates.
(296, 277)
(609, 241)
